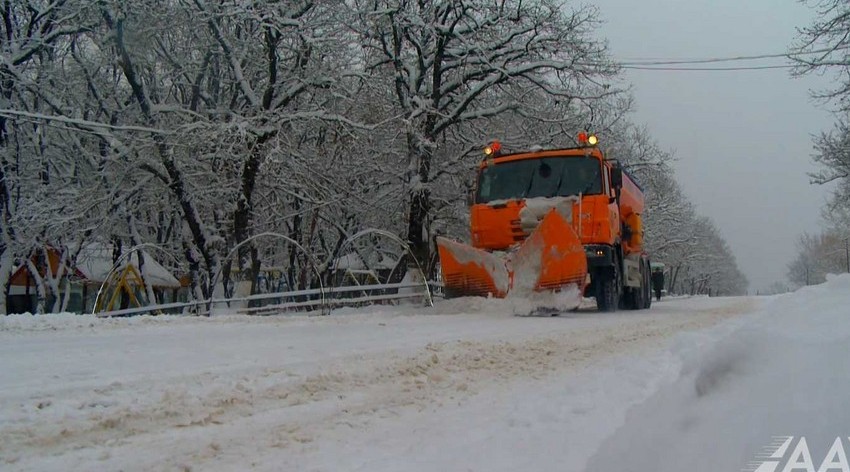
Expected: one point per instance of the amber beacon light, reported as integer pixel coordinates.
(585, 139)
(493, 149)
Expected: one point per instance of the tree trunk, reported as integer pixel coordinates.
(41, 296)
(54, 281)
(66, 296)
(6, 248)
(243, 216)
(418, 224)
(295, 234)
(176, 182)
(671, 286)
(117, 250)
(255, 274)
(197, 292)
(6, 260)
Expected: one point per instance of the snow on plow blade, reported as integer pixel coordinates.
(471, 271)
(551, 258)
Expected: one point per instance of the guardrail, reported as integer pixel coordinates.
(295, 301)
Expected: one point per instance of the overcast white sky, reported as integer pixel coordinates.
(743, 139)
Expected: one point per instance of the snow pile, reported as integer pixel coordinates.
(72, 321)
(536, 303)
(783, 372)
(526, 265)
(544, 303)
(536, 209)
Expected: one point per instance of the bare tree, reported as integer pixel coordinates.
(34, 169)
(824, 45)
(818, 255)
(443, 58)
(196, 125)
(832, 153)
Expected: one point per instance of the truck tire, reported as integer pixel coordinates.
(634, 297)
(449, 293)
(635, 300)
(626, 299)
(608, 291)
(647, 288)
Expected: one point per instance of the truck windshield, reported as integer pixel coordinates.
(545, 177)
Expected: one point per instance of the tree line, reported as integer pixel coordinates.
(195, 125)
(828, 250)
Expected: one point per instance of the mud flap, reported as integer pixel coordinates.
(549, 259)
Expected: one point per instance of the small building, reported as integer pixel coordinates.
(85, 277)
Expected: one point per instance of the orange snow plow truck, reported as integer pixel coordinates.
(548, 220)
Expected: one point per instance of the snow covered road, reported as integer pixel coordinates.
(463, 386)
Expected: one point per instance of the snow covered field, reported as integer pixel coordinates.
(461, 386)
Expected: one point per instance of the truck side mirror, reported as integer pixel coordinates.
(470, 197)
(617, 177)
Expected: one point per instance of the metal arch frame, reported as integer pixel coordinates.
(397, 239)
(325, 308)
(118, 262)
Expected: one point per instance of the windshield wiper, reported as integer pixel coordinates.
(530, 183)
(560, 178)
(594, 179)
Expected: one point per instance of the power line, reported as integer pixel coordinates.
(695, 68)
(788, 54)
(663, 64)
(785, 66)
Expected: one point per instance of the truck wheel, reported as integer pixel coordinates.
(647, 288)
(633, 297)
(629, 299)
(645, 294)
(449, 293)
(636, 299)
(607, 291)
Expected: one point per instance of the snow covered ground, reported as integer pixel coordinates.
(461, 386)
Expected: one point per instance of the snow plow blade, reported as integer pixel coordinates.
(551, 258)
(469, 271)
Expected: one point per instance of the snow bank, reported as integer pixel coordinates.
(783, 372)
(71, 321)
(543, 303)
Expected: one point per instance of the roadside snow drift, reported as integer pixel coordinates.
(782, 373)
